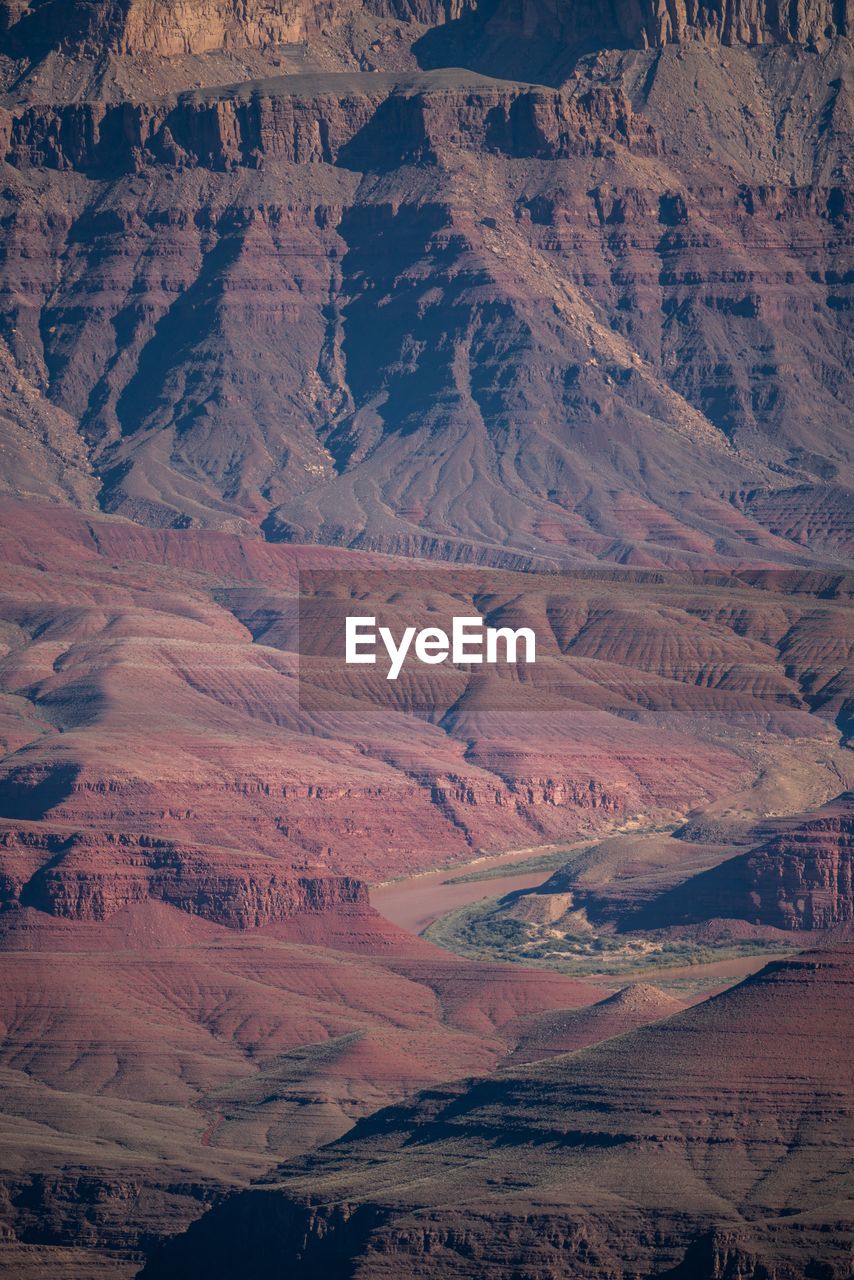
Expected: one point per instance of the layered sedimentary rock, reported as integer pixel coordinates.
(185, 840)
(653, 24)
(356, 32)
(266, 278)
(159, 743)
(571, 1164)
(544, 1035)
(138, 27)
(318, 305)
(153, 1061)
(92, 876)
(799, 877)
(274, 121)
(166, 795)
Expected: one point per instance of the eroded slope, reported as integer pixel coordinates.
(688, 1148)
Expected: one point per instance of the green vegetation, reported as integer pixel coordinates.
(483, 931)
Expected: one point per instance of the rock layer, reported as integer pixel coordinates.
(800, 877)
(160, 746)
(317, 305)
(571, 1164)
(268, 278)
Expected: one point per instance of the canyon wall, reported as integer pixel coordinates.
(568, 1163)
(226, 132)
(135, 28)
(653, 24)
(260, 308)
(799, 877)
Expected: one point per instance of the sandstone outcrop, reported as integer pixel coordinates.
(273, 121)
(801, 877)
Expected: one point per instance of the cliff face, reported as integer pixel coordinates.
(110, 47)
(801, 877)
(247, 130)
(653, 24)
(317, 306)
(92, 878)
(136, 28)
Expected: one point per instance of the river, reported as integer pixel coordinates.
(415, 902)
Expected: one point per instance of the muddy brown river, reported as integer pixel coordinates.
(415, 902)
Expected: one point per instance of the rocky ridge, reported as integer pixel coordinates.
(799, 877)
(571, 1162)
(561, 1031)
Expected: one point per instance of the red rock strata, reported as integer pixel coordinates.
(157, 747)
(285, 273)
(429, 311)
(799, 877)
(572, 1165)
(152, 1061)
(191, 844)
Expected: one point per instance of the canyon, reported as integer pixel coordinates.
(522, 310)
(521, 1171)
(643, 905)
(195, 984)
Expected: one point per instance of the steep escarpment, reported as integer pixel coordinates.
(101, 47)
(118, 49)
(572, 1162)
(91, 877)
(440, 314)
(273, 120)
(546, 39)
(800, 877)
(137, 27)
